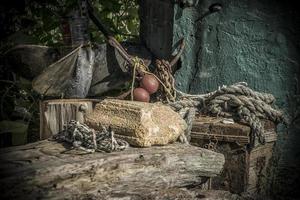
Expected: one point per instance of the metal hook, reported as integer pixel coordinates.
(215, 7)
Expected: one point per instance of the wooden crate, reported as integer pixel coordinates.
(56, 112)
(246, 164)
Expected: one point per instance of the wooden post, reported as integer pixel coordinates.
(156, 29)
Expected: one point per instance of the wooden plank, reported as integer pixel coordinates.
(213, 125)
(212, 128)
(234, 176)
(270, 137)
(156, 27)
(46, 170)
(269, 125)
(241, 140)
(259, 159)
(205, 127)
(56, 112)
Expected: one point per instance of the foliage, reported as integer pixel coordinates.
(120, 15)
(41, 20)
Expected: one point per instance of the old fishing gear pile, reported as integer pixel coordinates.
(87, 139)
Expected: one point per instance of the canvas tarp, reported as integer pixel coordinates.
(69, 77)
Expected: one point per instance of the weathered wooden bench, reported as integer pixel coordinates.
(48, 169)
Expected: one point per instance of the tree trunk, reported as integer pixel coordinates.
(46, 170)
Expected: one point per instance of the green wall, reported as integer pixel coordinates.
(253, 41)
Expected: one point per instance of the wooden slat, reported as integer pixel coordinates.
(242, 140)
(57, 112)
(213, 125)
(270, 136)
(205, 128)
(259, 159)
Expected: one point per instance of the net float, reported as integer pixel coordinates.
(140, 94)
(149, 83)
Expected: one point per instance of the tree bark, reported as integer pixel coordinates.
(46, 170)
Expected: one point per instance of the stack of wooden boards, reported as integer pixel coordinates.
(247, 161)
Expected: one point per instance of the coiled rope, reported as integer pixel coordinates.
(236, 101)
(87, 139)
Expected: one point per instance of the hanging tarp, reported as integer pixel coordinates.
(88, 71)
(69, 77)
(111, 69)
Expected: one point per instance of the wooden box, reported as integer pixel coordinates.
(246, 162)
(57, 112)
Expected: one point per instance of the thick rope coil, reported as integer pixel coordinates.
(242, 89)
(190, 116)
(186, 103)
(236, 101)
(87, 139)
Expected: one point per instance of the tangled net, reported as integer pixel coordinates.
(87, 139)
(236, 101)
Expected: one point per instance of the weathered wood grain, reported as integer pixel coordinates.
(214, 125)
(259, 162)
(212, 128)
(46, 170)
(57, 112)
(245, 169)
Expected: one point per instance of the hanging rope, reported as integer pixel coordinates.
(139, 67)
(82, 137)
(163, 72)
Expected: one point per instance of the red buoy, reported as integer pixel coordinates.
(140, 94)
(149, 83)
